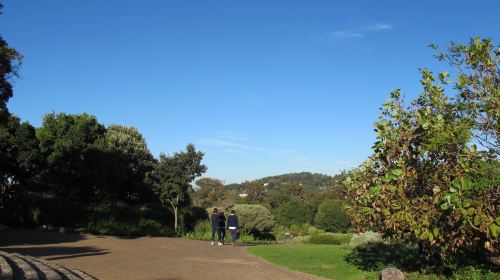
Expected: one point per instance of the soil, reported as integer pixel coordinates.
(152, 258)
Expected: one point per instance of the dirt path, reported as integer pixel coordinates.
(152, 258)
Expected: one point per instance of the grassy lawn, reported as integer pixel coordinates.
(323, 260)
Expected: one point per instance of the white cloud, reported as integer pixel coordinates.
(359, 33)
(377, 27)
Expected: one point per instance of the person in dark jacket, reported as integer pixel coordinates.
(222, 227)
(215, 226)
(232, 225)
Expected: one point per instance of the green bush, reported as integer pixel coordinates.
(331, 216)
(324, 238)
(292, 213)
(253, 217)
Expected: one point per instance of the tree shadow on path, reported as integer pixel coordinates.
(11, 237)
(56, 253)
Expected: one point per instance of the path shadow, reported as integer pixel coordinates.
(10, 237)
(376, 256)
(57, 253)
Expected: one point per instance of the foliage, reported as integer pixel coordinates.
(256, 192)
(124, 219)
(192, 215)
(424, 182)
(323, 238)
(287, 192)
(20, 158)
(292, 212)
(67, 142)
(331, 216)
(478, 84)
(364, 238)
(211, 192)
(172, 176)
(125, 159)
(254, 217)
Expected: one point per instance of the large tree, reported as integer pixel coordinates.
(172, 176)
(125, 160)
(426, 182)
(68, 142)
(20, 157)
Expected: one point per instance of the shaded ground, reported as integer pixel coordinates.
(152, 258)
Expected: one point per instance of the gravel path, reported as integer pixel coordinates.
(152, 258)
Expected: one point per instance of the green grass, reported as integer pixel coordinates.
(327, 261)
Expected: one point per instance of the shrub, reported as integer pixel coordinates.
(292, 213)
(324, 238)
(253, 217)
(365, 238)
(331, 216)
(473, 273)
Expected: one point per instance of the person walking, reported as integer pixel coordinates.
(215, 226)
(232, 225)
(222, 227)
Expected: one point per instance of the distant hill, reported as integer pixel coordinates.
(306, 179)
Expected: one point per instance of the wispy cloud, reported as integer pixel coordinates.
(360, 32)
(217, 142)
(377, 27)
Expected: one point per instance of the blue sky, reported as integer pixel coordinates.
(262, 87)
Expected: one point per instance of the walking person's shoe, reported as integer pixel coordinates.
(212, 243)
(220, 244)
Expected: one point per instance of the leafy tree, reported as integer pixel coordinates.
(292, 213)
(254, 217)
(478, 83)
(287, 192)
(332, 217)
(424, 181)
(172, 176)
(255, 191)
(20, 157)
(68, 142)
(125, 161)
(211, 192)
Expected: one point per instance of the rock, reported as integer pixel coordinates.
(391, 274)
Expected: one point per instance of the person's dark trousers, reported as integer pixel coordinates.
(222, 234)
(234, 234)
(214, 230)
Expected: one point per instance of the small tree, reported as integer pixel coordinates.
(425, 181)
(211, 192)
(331, 216)
(173, 175)
(293, 213)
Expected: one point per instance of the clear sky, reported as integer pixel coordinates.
(262, 87)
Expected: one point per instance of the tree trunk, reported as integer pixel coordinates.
(175, 218)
